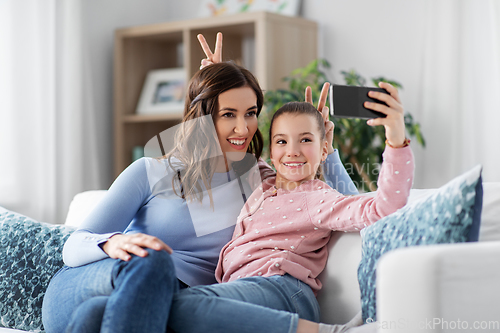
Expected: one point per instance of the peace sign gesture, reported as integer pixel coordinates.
(329, 126)
(212, 58)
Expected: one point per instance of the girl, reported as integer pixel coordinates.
(270, 267)
(142, 242)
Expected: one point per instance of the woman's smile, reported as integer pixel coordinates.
(239, 143)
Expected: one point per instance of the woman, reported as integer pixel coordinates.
(120, 274)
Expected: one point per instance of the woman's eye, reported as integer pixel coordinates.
(252, 113)
(227, 115)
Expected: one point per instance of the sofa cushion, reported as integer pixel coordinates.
(81, 206)
(451, 214)
(31, 254)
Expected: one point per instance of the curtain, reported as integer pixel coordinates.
(47, 148)
(460, 90)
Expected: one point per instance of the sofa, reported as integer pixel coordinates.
(417, 287)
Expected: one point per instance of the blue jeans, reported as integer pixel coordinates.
(112, 295)
(255, 304)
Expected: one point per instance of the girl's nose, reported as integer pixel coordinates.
(292, 150)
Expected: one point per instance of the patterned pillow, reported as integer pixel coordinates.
(451, 214)
(31, 254)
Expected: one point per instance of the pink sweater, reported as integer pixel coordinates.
(282, 231)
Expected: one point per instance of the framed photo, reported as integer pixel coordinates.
(163, 92)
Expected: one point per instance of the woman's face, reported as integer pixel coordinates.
(236, 121)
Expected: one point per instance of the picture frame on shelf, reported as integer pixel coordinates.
(163, 92)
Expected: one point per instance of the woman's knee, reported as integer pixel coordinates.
(156, 265)
(157, 260)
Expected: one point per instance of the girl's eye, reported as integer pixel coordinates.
(252, 113)
(306, 140)
(281, 142)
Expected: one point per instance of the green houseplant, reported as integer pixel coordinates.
(360, 146)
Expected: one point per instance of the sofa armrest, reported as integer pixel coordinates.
(439, 288)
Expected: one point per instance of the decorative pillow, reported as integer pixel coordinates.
(31, 254)
(451, 214)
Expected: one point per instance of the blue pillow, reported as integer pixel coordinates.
(31, 253)
(452, 214)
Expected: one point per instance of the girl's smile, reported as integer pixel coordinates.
(294, 165)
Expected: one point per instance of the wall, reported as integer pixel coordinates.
(99, 21)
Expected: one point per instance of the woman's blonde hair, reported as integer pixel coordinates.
(194, 146)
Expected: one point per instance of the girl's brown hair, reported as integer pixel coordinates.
(296, 108)
(202, 100)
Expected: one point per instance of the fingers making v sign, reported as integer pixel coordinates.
(212, 58)
(324, 110)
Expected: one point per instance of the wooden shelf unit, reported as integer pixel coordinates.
(268, 44)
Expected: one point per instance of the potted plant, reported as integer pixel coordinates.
(360, 146)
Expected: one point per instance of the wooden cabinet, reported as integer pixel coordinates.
(270, 45)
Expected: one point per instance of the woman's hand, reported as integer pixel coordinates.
(394, 123)
(329, 126)
(120, 246)
(212, 58)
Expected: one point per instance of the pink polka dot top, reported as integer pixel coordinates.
(280, 231)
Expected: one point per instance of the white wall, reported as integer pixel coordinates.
(375, 37)
(99, 21)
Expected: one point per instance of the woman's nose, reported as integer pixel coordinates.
(241, 127)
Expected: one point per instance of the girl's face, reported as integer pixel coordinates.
(296, 149)
(236, 121)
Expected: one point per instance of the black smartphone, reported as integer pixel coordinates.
(348, 102)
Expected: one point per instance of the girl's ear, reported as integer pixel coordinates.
(324, 151)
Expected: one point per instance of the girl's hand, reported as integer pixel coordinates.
(394, 123)
(329, 126)
(120, 246)
(212, 58)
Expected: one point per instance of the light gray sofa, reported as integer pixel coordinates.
(447, 282)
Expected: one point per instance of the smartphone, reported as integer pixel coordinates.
(348, 102)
